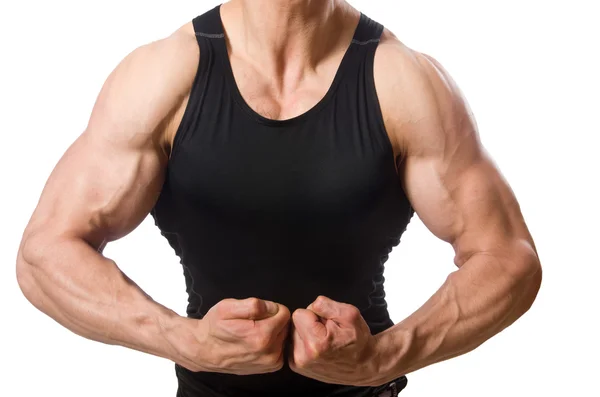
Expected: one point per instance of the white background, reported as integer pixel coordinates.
(530, 71)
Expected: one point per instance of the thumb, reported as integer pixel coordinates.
(308, 325)
(251, 308)
(325, 307)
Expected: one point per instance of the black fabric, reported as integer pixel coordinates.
(391, 389)
(283, 210)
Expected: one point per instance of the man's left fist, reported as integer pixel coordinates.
(332, 343)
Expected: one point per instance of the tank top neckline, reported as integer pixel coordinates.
(239, 99)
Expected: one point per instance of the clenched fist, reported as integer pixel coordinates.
(333, 343)
(240, 337)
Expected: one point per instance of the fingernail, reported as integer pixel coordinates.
(272, 307)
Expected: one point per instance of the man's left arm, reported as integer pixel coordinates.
(462, 198)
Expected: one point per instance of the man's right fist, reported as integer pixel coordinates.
(241, 337)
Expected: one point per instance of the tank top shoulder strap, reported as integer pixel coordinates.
(208, 25)
(209, 34)
(367, 32)
(360, 81)
(362, 51)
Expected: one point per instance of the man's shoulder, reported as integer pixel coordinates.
(174, 58)
(391, 51)
(165, 70)
(413, 91)
(146, 90)
(171, 59)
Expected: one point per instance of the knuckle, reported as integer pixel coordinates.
(223, 306)
(300, 363)
(353, 313)
(296, 315)
(352, 336)
(284, 313)
(274, 359)
(254, 304)
(276, 366)
(279, 365)
(320, 301)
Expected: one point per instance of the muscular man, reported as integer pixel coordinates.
(282, 147)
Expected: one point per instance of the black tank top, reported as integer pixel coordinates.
(283, 210)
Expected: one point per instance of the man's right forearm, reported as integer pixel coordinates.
(73, 283)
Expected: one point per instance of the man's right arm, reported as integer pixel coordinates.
(101, 189)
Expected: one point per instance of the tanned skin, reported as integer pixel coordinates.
(109, 179)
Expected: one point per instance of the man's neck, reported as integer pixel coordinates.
(287, 36)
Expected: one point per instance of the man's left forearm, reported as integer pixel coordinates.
(487, 294)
